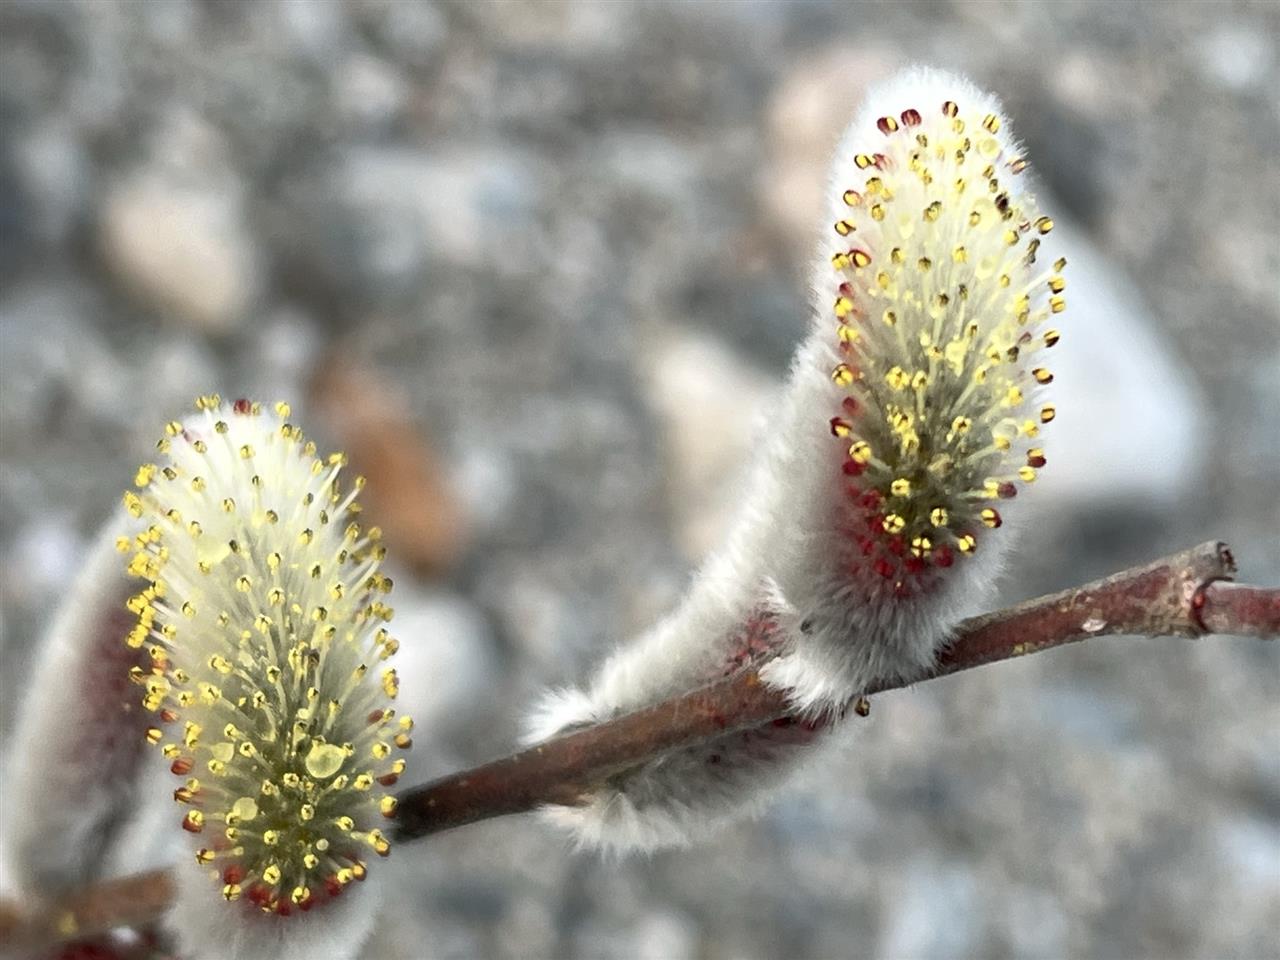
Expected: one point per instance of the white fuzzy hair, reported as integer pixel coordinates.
(835, 643)
(206, 929)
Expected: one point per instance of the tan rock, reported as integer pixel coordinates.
(184, 251)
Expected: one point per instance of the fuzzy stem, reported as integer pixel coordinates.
(1184, 595)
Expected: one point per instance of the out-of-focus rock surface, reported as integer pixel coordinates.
(574, 240)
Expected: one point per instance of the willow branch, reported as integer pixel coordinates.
(1184, 595)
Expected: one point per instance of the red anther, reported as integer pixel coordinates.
(1036, 461)
(883, 567)
(307, 903)
(850, 405)
(167, 716)
(374, 717)
(283, 908)
(846, 289)
(182, 766)
(911, 117)
(1198, 601)
(838, 424)
(913, 564)
(242, 406)
(897, 546)
(783, 722)
(886, 125)
(233, 874)
(191, 826)
(868, 546)
(259, 894)
(943, 556)
(852, 468)
(389, 779)
(872, 499)
(1006, 491)
(875, 523)
(881, 161)
(331, 885)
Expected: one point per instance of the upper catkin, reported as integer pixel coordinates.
(912, 416)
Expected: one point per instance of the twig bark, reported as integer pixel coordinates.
(1185, 595)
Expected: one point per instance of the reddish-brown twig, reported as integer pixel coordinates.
(1186, 594)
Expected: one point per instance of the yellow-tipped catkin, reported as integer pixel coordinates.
(939, 270)
(262, 611)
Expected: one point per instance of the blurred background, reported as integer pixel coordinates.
(537, 266)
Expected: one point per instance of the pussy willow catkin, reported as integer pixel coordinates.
(268, 678)
(912, 415)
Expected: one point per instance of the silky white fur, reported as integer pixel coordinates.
(779, 550)
(207, 929)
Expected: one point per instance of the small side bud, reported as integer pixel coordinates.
(76, 754)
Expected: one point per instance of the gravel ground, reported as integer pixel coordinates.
(542, 230)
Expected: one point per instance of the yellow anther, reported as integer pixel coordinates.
(893, 523)
(897, 378)
(860, 451)
(900, 487)
(938, 516)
